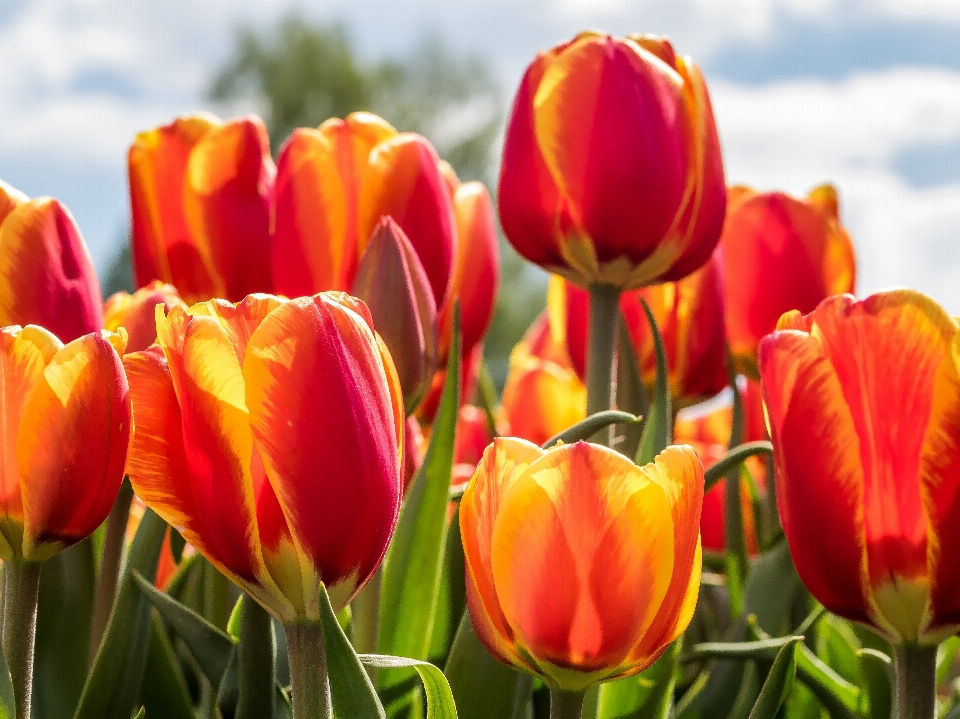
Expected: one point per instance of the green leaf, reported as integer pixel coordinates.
(586, 428)
(413, 564)
(177, 545)
(64, 610)
(778, 683)
(350, 686)
(632, 395)
(876, 687)
(657, 429)
(453, 595)
(282, 709)
(164, 692)
(140, 714)
(233, 624)
(487, 395)
(7, 701)
(256, 662)
(483, 687)
(733, 510)
(210, 646)
(648, 695)
(439, 697)
(764, 649)
(113, 684)
(838, 647)
(732, 460)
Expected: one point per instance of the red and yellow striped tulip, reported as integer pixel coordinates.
(200, 193)
(66, 427)
(334, 183)
(612, 171)
(46, 275)
(270, 434)
(137, 314)
(863, 401)
(779, 253)
(545, 533)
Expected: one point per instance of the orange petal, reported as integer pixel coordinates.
(541, 399)
(10, 197)
(137, 313)
(239, 321)
(72, 445)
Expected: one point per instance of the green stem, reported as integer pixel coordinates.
(21, 587)
(916, 671)
(308, 671)
(109, 574)
(366, 617)
(566, 705)
(601, 356)
(217, 606)
(256, 662)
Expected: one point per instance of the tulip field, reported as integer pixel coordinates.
(278, 480)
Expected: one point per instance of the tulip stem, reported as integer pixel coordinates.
(566, 705)
(21, 587)
(308, 670)
(109, 573)
(601, 357)
(256, 660)
(916, 671)
(366, 617)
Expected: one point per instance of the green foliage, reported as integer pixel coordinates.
(658, 424)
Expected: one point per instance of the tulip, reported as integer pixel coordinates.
(66, 425)
(611, 169)
(863, 400)
(46, 275)
(779, 253)
(473, 436)
(136, 313)
(270, 434)
(581, 567)
(334, 183)
(200, 192)
(393, 284)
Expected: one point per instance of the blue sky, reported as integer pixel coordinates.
(863, 94)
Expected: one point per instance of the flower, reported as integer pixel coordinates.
(46, 275)
(863, 401)
(779, 253)
(136, 313)
(270, 433)
(581, 567)
(611, 167)
(200, 192)
(66, 426)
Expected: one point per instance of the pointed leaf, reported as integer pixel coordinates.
(452, 600)
(256, 663)
(763, 650)
(164, 692)
(778, 683)
(648, 695)
(487, 394)
(632, 395)
(210, 646)
(657, 429)
(439, 697)
(586, 428)
(732, 460)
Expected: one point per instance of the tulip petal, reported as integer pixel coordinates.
(240, 320)
(541, 399)
(10, 197)
(350, 442)
(597, 560)
(81, 407)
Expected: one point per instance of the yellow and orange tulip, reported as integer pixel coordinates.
(46, 275)
(863, 401)
(66, 426)
(545, 533)
(779, 253)
(612, 171)
(270, 434)
(200, 193)
(137, 314)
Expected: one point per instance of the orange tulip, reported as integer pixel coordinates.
(581, 566)
(136, 313)
(270, 433)
(611, 167)
(334, 184)
(779, 253)
(689, 314)
(863, 400)
(200, 192)
(66, 426)
(46, 275)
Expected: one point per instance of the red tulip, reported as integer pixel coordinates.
(137, 314)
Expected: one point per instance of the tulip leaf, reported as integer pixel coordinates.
(164, 693)
(586, 428)
(657, 429)
(778, 683)
(141, 714)
(256, 662)
(453, 595)
(763, 649)
(177, 545)
(439, 697)
(483, 687)
(648, 695)
(7, 701)
(413, 564)
(632, 395)
(487, 394)
(876, 670)
(350, 686)
(210, 646)
(113, 685)
(733, 459)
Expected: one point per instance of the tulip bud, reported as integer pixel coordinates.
(136, 313)
(581, 566)
(391, 280)
(46, 275)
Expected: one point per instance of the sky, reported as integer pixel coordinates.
(861, 93)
